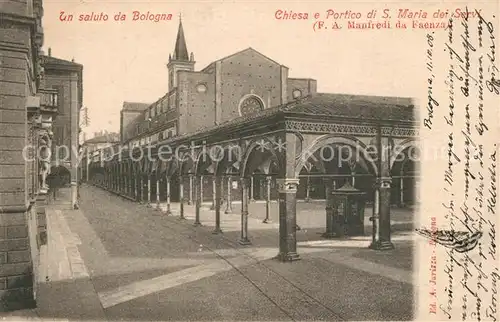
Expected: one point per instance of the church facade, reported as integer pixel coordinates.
(231, 87)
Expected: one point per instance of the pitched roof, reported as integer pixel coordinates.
(110, 138)
(356, 106)
(49, 60)
(181, 52)
(240, 52)
(328, 106)
(135, 106)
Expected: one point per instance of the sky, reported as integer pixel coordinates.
(126, 60)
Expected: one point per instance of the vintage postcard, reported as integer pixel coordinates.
(249, 160)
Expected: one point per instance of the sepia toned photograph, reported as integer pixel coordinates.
(248, 161)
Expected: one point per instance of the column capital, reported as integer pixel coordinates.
(383, 182)
(269, 178)
(287, 185)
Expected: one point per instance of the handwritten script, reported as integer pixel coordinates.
(462, 106)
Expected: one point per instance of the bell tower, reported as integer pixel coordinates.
(180, 60)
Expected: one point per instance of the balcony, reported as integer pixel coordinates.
(49, 101)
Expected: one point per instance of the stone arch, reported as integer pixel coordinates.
(402, 148)
(248, 153)
(229, 159)
(186, 163)
(207, 159)
(328, 139)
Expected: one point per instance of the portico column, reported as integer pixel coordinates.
(218, 197)
(308, 188)
(214, 187)
(141, 188)
(157, 193)
(229, 206)
(268, 200)
(197, 187)
(149, 191)
(201, 190)
(330, 215)
(401, 191)
(244, 212)
(168, 212)
(181, 196)
(190, 200)
(251, 188)
(383, 185)
(287, 188)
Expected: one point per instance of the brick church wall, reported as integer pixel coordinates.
(245, 73)
(196, 110)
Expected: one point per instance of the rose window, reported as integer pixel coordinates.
(250, 105)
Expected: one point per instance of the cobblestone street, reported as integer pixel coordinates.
(118, 260)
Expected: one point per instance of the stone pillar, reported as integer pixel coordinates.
(383, 185)
(218, 197)
(353, 178)
(229, 206)
(401, 192)
(181, 197)
(244, 211)
(190, 200)
(136, 194)
(141, 188)
(158, 193)
(198, 188)
(214, 187)
(268, 200)
(330, 215)
(149, 191)
(169, 211)
(374, 217)
(251, 188)
(308, 188)
(287, 189)
(201, 190)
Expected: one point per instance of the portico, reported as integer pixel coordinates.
(366, 141)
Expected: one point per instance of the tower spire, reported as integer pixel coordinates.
(181, 52)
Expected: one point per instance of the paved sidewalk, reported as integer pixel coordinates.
(117, 260)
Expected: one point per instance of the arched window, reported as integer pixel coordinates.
(251, 104)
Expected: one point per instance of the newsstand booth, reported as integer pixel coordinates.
(345, 212)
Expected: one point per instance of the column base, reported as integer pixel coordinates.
(331, 235)
(267, 221)
(189, 203)
(297, 227)
(76, 206)
(182, 217)
(381, 245)
(288, 257)
(244, 241)
(228, 211)
(197, 224)
(149, 205)
(217, 231)
(212, 207)
(307, 200)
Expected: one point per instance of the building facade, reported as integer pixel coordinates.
(234, 86)
(66, 79)
(26, 113)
